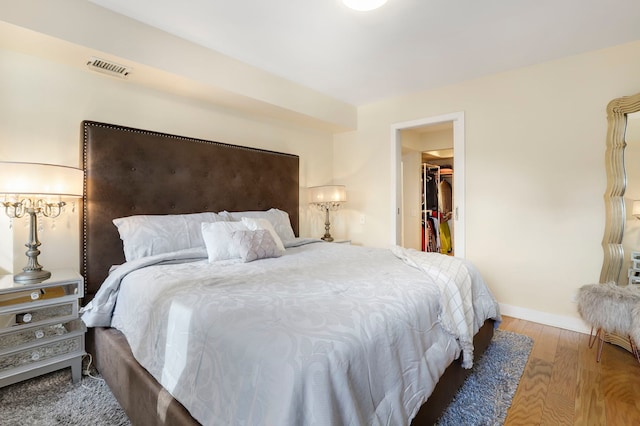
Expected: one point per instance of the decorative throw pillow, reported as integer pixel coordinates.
(217, 239)
(148, 235)
(278, 218)
(256, 224)
(253, 245)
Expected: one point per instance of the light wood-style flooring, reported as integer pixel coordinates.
(563, 384)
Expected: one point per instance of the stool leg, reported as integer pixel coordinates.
(592, 338)
(600, 344)
(634, 349)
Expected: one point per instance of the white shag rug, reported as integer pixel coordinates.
(53, 400)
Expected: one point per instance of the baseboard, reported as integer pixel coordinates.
(553, 320)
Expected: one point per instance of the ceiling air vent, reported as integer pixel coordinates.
(108, 67)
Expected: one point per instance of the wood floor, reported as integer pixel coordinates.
(563, 384)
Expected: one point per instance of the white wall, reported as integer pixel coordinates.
(42, 104)
(535, 173)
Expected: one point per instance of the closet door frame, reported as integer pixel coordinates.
(457, 118)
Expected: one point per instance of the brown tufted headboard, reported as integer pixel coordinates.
(132, 171)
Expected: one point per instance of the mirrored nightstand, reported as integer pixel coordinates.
(40, 330)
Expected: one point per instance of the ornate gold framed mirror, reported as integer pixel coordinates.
(614, 256)
(618, 115)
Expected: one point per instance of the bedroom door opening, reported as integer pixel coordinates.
(428, 185)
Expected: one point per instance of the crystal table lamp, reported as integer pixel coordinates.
(33, 189)
(327, 197)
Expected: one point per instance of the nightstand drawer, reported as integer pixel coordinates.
(33, 295)
(38, 334)
(37, 315)
(41, 353)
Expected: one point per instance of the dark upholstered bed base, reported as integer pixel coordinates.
(452, 379)
(140, 395)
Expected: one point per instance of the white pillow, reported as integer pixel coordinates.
(278, 218)
(217, 239)
(255, 244)
(148, 235)
(255, 224)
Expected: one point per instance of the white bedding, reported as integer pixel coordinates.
(327, 334)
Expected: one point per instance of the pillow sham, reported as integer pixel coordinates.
(255, 244)
(278, 218)
(217, 239)
(148, 235)
(254, 224)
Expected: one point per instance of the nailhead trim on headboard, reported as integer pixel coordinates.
(251, 187)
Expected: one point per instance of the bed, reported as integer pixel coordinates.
(133, 172)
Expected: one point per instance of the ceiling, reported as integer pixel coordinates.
(403, 47)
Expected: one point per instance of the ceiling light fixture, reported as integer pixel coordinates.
(364, 5)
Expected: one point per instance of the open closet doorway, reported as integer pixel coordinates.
(428, 165)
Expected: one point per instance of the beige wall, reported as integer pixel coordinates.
(436, 140)
(411, 200)
(71, 31)
(41, 108)
(535, 177)
(534, 140)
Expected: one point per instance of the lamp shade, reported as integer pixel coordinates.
(40, 179)
(635, 209)
(327, 194)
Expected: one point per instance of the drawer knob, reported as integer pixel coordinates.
(35, 295)
(35, 356)
(39, 334)
(24, 318)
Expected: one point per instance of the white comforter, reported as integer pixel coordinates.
(328, 334)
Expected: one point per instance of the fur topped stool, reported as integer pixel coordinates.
(610, 308)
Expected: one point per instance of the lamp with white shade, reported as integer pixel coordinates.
(327, 197)
(33, 189)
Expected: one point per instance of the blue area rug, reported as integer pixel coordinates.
(487, 393)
